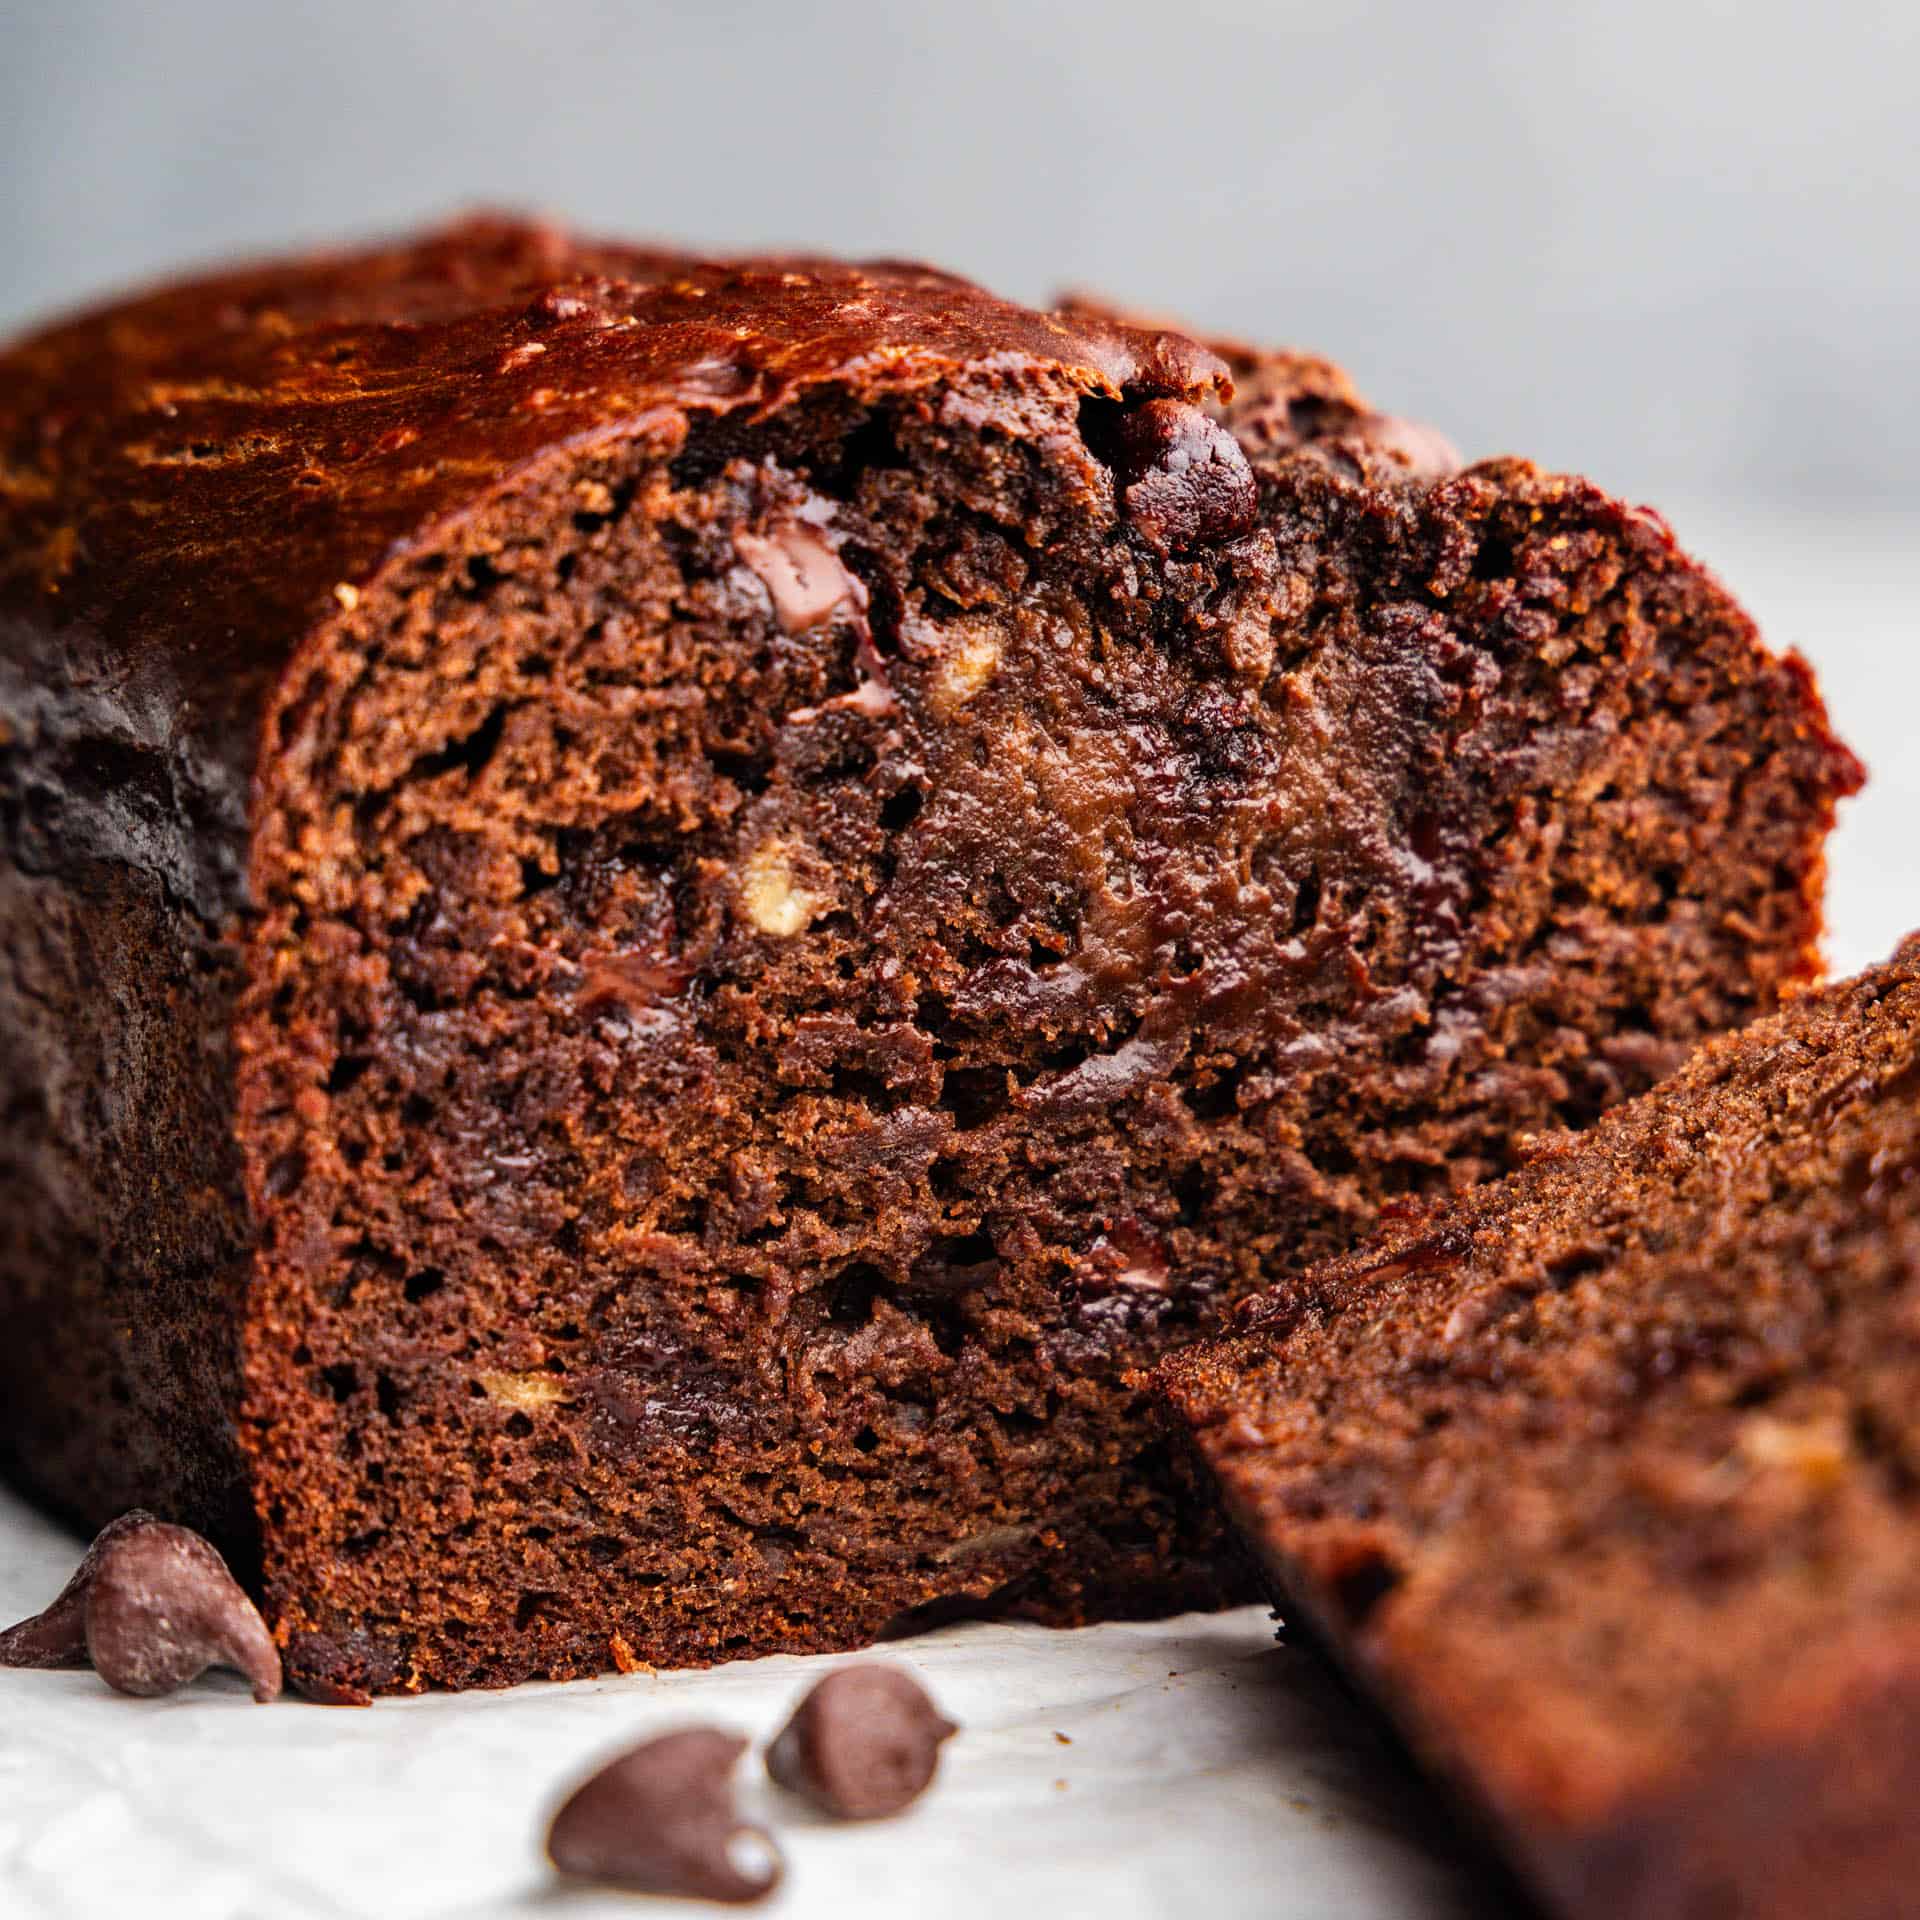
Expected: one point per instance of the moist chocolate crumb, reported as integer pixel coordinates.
(1426, 451)
(864, 1743)
(1603, 1481)
(661, 1819)
(343, 1670)
(777, 1033)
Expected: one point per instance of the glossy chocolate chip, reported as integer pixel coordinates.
(661, 1819)
(58, 1637)
(1182, 478)
(803, 576)
(162, 1608)
(863, 1744)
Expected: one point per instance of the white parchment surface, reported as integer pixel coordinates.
(1190, 1765)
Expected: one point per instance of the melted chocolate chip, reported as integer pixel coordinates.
(1126, 1258)
(632, 980)
(661, 1819)
(801, 573)
(863, 1744)
(1182, 477)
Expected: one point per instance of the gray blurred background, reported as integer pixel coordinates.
(1669, 242)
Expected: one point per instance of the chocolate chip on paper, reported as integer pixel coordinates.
(863, 1744)
(151, 1607)
(163, 1609)
(661, 1819)
(57, 1637)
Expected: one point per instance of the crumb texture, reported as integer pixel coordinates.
(1606, 1477)
(773, 877)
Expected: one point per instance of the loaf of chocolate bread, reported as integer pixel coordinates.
(658, 915)
(1606, 1479)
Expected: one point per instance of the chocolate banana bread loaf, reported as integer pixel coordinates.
(1606, 1479)
(659, 914)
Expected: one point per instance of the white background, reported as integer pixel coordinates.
(1206, 1772)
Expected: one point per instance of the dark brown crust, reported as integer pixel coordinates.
(1601, 1481)
(660, 913)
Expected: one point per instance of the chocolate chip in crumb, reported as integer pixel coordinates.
(863, 1744)
(1182, 478)
(661, 1819)
(344, 1670)
(57, 1637)
(162, 1608)
(324, 1692)
(803, 576)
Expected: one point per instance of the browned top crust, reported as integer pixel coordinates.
(191, 479)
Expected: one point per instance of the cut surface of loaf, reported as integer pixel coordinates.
(658, 914)
(1605, 1481)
